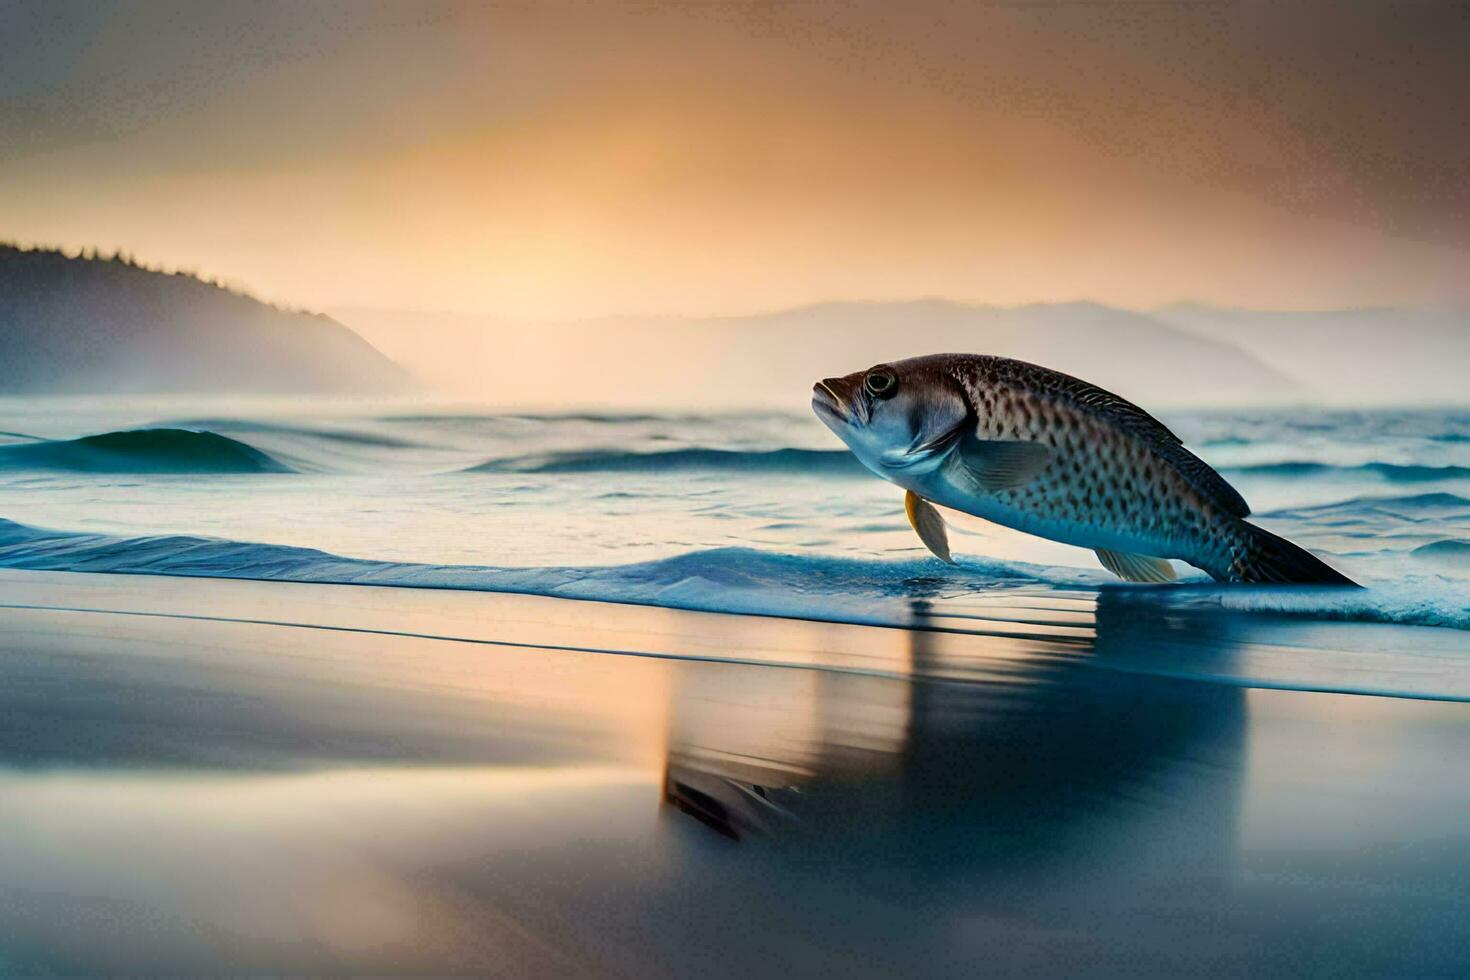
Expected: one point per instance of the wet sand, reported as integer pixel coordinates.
(224, 776)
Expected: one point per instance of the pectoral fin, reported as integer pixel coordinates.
(925, 518)
(1136, 568)
(997, 464)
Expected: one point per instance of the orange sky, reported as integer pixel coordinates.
(580, 159)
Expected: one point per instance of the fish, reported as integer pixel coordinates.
(1055, 456)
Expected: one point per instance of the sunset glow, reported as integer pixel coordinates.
(577, 160)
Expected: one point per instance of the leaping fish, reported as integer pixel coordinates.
(1054, 456)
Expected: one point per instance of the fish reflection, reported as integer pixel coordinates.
(1053, 763)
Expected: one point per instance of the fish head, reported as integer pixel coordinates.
(901, 419)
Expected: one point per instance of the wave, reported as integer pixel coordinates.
(877, 592)
(1453, 550)
(1392, 472)
(355, 438)
(731, 580)
(593, 418)
(1421, 501)
(831, 462)
(162, 450)
(1414, 508)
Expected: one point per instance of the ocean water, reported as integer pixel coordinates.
(745, 513)
(888, 766)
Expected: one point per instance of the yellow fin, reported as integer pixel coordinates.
(925, 518)
(1136, 568)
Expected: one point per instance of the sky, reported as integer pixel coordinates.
(695, 158)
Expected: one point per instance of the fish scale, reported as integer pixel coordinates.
(1101, 479)
(1116, 479)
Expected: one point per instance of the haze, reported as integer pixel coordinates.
(585, 159)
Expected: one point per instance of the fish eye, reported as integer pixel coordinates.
(880, 383)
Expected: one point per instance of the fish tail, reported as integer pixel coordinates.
(1256, 555)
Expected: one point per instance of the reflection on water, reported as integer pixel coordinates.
(1047, 771)
(186, 795)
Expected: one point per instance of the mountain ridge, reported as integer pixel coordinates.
(94, 324)
(768, 358)
(1376, 355)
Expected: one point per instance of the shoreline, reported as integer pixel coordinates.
(1122, 629)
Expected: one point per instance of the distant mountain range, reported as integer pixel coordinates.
(1364, 356)
(89, 324)
(1186, 356)
(773, 359)
(95, 325)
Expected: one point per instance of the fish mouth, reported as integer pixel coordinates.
(828, 402)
